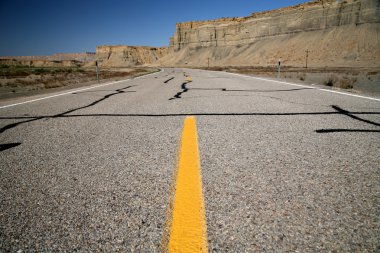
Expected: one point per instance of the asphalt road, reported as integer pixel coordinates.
(285, 168)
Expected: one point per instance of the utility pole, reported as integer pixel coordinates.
(97, 71)
(279, 68)
(307, 55)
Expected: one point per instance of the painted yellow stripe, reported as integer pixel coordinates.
(188, 231)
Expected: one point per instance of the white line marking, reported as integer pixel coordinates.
(161, 70)
(275, 81)
(74, 91)
(300, 85)
(352, 95)
(61, 94)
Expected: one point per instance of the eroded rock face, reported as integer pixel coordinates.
(335, 33)
(127, 56)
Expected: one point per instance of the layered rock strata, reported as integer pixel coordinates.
(327, 33)
(127, 56)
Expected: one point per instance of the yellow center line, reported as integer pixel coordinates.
(188, 232)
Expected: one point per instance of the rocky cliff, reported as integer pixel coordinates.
(127, 56)
(329, 33)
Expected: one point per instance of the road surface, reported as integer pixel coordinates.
(284, 168)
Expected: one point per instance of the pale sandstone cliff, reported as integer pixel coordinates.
(336, 33)
(127, 56)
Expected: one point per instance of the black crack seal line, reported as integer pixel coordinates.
(338, 111)
(347, 113)
(8, 146)
(339, 130)
(169, 80)
(264, 91)
(118, 91)
(184, 89)
(352, 116)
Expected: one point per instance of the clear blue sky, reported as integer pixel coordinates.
(44, 27)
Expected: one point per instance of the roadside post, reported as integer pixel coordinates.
(97, 71)
(279, 68)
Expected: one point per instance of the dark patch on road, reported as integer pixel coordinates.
(169, 80)
(31, 119)
(270, 90)
(118, 91)
(338, 111)
(260, 91)
(184, 89)
(349, 114)
(339, 130)
(8, 146)
(7, 127)
(218, 89)
(94, 91)
(195, 114)
(335, 107)
(352, 116)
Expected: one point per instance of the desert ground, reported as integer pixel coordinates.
(16, 81)
(356, 80)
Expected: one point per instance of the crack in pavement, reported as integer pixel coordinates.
(8, 146)
(338, 111)
(184, 89)
(169, 80)
(118, 91)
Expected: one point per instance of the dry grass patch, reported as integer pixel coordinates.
(344, 82)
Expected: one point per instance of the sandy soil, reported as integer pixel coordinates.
(15, 82)
(357, 80)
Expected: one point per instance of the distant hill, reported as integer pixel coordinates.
(326, 33)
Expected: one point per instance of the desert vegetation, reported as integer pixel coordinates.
(343, 78)
(343, 82)
(19, 80)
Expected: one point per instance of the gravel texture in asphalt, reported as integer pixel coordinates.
(285, 168)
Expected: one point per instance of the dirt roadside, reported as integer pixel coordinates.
(364, 81)
(23, 81)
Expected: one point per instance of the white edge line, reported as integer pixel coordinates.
(275, 81)
(352, 95)
(299, 85)
(161, 70)
(74, 91)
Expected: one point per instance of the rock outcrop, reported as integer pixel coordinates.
(127, 56)
(55, 60)
(326, 33)
(330, 33)
(81, 57)
(41, 63)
